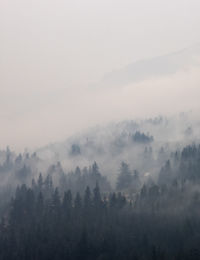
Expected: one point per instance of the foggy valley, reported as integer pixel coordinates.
(100, 130)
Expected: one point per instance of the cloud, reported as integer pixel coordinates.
(41, 116)
(52, 50)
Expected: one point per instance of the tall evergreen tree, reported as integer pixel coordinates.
(124, 178)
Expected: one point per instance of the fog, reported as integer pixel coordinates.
(99, 143)
(56, 55)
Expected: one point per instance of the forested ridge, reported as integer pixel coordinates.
(129, 191)
(100, 130)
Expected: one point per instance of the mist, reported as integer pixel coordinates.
(55, 58)
(99, 143)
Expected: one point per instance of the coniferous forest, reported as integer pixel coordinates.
(49, 211)
(100, 130)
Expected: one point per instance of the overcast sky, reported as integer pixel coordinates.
(53, 53)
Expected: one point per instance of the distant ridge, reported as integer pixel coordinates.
(154, 67)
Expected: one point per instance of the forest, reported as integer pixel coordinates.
(100, 130)
(141, 202)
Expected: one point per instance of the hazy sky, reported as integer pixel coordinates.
(54, 52)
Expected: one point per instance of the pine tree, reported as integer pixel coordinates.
(124, 179)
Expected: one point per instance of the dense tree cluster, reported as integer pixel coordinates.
(79, 179)
(128, 180)
(43, 225)
(183, 166)
(78, 215)
(139, 137)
